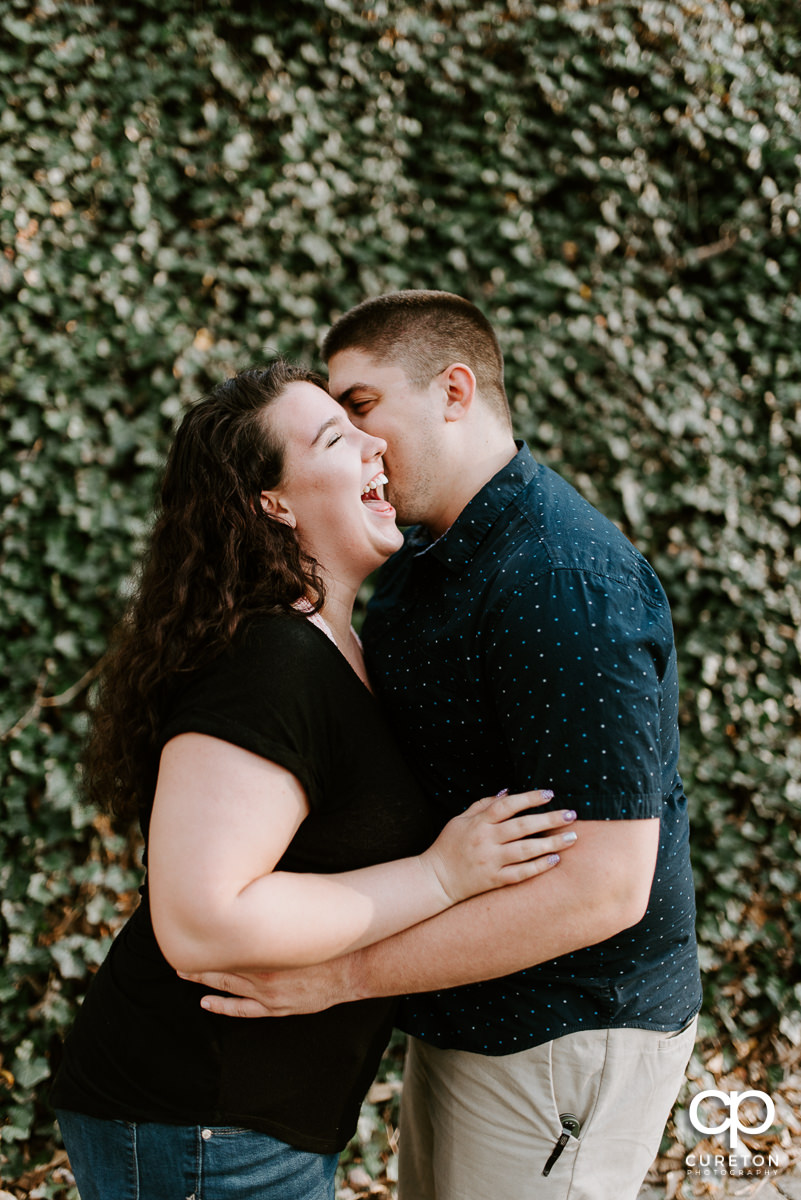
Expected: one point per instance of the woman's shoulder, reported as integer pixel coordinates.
(276, 673)
(283, 652)
(274, 630)
(288, 639)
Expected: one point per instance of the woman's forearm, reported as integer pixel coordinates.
(284, 919)
(281, 919)
(222, 820)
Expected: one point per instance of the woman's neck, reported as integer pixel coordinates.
(337, 612)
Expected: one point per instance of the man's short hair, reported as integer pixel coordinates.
(424, 332)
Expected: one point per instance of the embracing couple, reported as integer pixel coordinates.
(478, 810)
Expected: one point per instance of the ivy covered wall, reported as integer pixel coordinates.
(185, 186)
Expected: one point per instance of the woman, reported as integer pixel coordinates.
(236, 717)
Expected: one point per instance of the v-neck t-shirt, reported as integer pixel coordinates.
(142, 1048)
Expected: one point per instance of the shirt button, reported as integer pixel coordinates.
(206, 1134)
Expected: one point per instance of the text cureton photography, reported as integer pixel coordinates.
(720, 1115)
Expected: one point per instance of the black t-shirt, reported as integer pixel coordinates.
(142, 1049)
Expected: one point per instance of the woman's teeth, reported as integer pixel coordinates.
(379, 481)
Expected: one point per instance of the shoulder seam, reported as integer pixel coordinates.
(519, 590)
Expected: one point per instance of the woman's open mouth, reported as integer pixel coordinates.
(373, 497)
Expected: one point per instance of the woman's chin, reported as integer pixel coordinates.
(383, 532)
(387, 545)
(384, 554)
(396, 541)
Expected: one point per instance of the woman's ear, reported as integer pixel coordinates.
(277, 508)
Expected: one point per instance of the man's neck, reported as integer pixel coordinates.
(483, 464)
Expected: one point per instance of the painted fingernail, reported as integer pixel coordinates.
(546, 793)
(553, 859)
(569, 837)
(568, 815)
(502, 792)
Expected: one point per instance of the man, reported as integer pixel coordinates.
(517, 640)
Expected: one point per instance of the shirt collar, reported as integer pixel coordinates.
(457, 545)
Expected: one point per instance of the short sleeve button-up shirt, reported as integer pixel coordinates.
(531, 646)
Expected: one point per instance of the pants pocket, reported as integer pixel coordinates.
(577, 1071)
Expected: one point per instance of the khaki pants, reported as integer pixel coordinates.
(476, 1127)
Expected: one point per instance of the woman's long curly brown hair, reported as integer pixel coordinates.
(215, 561)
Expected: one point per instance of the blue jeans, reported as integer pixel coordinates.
(122, 1160)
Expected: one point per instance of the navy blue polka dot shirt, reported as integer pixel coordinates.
(531, 646)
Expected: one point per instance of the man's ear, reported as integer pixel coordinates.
(277, 508)
(459, 383)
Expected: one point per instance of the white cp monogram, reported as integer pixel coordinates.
(732, 1101)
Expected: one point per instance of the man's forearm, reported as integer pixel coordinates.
(513, 928)
(601, 887)
(483, 938)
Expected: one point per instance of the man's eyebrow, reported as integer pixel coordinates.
(350, 392)
(336, 420)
